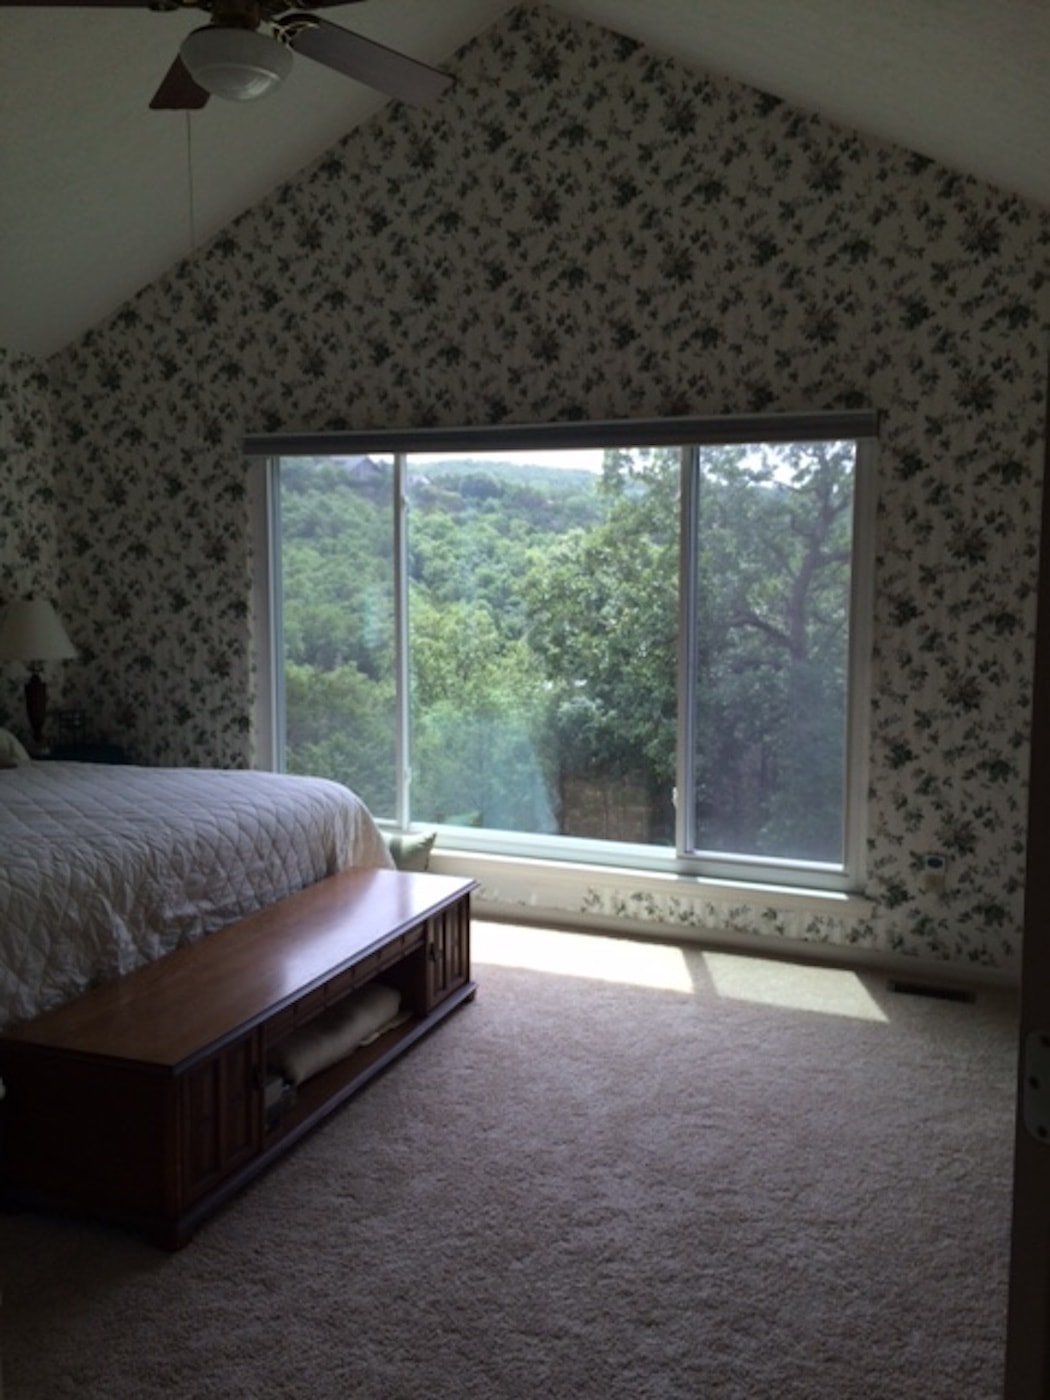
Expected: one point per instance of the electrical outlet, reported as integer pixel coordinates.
(934, 868)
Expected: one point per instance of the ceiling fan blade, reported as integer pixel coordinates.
(94, 4)
(273, 8)
(178, 92)
(357, 57)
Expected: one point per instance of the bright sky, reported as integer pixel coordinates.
(581, 459)
(587, 459)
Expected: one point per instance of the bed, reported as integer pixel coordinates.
(104, 868)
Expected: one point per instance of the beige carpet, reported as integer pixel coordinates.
(641, 1174)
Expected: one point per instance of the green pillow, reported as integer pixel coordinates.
(410, 851)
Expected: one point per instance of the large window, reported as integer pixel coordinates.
(642, 644)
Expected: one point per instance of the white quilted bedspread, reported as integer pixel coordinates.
(105, 868)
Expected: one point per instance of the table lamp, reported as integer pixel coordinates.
(31, 632)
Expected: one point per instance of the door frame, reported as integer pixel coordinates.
(1028, 1315)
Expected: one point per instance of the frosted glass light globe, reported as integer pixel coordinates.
(239, 64)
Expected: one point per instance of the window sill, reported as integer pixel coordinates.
(561, 888)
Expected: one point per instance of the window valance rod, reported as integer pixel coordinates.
(626, 432)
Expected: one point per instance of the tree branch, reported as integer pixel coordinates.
(760, 624)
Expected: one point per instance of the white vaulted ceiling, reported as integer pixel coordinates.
(94, 186)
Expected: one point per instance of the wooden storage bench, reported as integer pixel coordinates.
(148, 1101)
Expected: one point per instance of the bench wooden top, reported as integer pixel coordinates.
(192, 998)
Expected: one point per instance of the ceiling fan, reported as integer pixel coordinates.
(246, 48)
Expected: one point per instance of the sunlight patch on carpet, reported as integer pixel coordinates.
(624, 960)
(827, 990)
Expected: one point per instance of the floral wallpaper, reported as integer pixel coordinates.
(580, 229)
(28, 523)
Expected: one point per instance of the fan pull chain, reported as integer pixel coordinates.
(189, 185)
(196, 295)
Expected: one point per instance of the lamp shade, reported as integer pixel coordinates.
(31, 631)
(230, 61)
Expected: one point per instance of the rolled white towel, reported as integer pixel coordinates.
(336, 1033)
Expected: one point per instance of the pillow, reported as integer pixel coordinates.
(410, 852)
(12, 754)
(336, 1033)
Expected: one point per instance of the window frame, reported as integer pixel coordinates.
(690, 434)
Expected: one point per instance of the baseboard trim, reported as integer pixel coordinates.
(557, 895)
(945, 976)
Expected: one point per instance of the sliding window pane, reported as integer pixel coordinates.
(542, 629)
(336, 521)
(774, 530)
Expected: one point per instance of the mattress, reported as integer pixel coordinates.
(105, 868)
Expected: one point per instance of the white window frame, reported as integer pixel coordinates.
(689, 434)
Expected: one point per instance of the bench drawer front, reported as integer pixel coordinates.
(309, 1006)
(279, 1025)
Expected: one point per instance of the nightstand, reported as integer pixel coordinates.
(87, 752)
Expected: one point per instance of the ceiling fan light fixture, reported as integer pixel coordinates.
(234, 62)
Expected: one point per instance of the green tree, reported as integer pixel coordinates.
(602, 623)
(341, 725)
